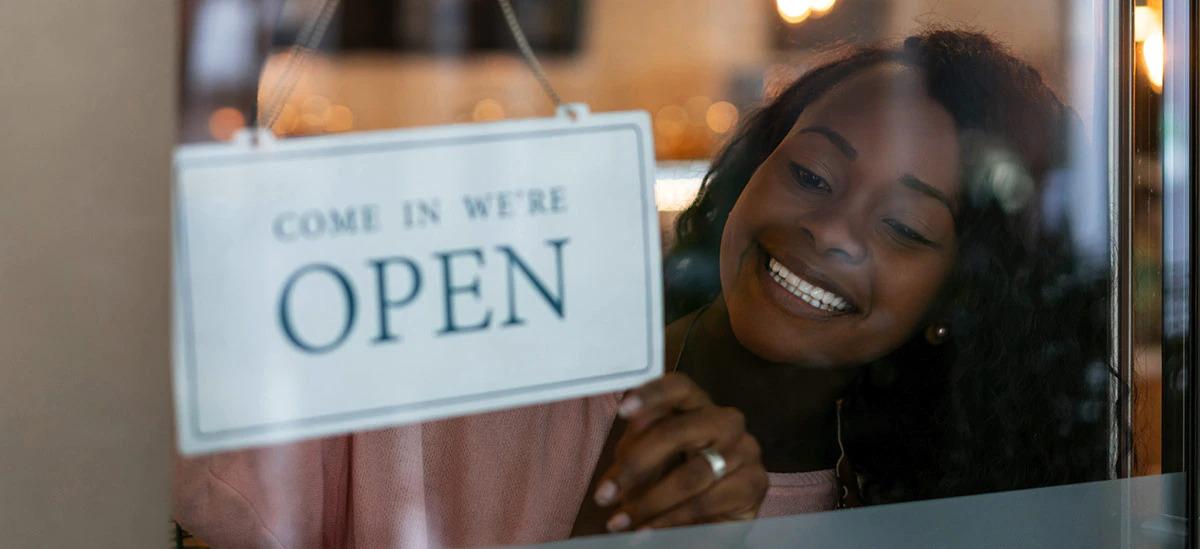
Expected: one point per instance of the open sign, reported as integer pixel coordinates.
(332, 284)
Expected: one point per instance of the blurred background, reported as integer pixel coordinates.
(695, 65)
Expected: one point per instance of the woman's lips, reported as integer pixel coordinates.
(812, 294)
(799, 295)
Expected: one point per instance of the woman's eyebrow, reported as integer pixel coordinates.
(912, 182)
(835, 138)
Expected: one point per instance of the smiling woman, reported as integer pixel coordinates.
(881, 276)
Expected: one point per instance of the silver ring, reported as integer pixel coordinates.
(715, 461)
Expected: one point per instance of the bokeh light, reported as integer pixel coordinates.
(486, 110)
(1154, 56)
(793, 11)
(1148, 31)
(1145, 20)
(721, 116)
(821, 6)
(224, 122)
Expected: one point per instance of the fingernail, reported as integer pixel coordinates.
(629, 406)
(606, 492)
(641, 536)
(618, 522)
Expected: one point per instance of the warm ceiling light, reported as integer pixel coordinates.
(1145, 20)
(794, 11)
(1148, 31)
(821, 6)
(1154, 58)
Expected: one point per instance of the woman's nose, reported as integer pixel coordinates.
(837, 236)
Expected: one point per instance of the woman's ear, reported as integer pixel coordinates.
(937, 334)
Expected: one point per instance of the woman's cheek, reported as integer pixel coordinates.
(736, 239)
(904, 299)
(889, 330)
(727, 258)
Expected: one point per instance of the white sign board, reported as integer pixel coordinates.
(334, 284)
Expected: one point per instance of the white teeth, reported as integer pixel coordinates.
(812, 294)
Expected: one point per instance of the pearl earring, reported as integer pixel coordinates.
(936, 334)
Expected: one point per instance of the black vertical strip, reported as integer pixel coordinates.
(1124, 233)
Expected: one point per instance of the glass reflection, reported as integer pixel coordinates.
(892, 269)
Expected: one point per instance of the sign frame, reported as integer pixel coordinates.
(192, 438)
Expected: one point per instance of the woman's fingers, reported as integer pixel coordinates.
(735, 497)
(645, 455)
(670, 421)
(685, 485)
(671, 393)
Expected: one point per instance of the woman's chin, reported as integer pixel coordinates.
(761, 336)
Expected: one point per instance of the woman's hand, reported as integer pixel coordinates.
(661, 479)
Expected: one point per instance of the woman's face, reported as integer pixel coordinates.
(841, 240)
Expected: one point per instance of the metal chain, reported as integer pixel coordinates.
(314, 30)
(306, 43)
(530, 59)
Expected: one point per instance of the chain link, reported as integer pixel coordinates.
(527, 52)
(298, 55)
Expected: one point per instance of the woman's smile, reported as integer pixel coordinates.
(800, 291)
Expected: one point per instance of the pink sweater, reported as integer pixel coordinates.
(509, 477)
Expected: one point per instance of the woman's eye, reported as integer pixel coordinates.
(809, 180)
(908, 233)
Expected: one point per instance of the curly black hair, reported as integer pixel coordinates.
(1017, 396)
